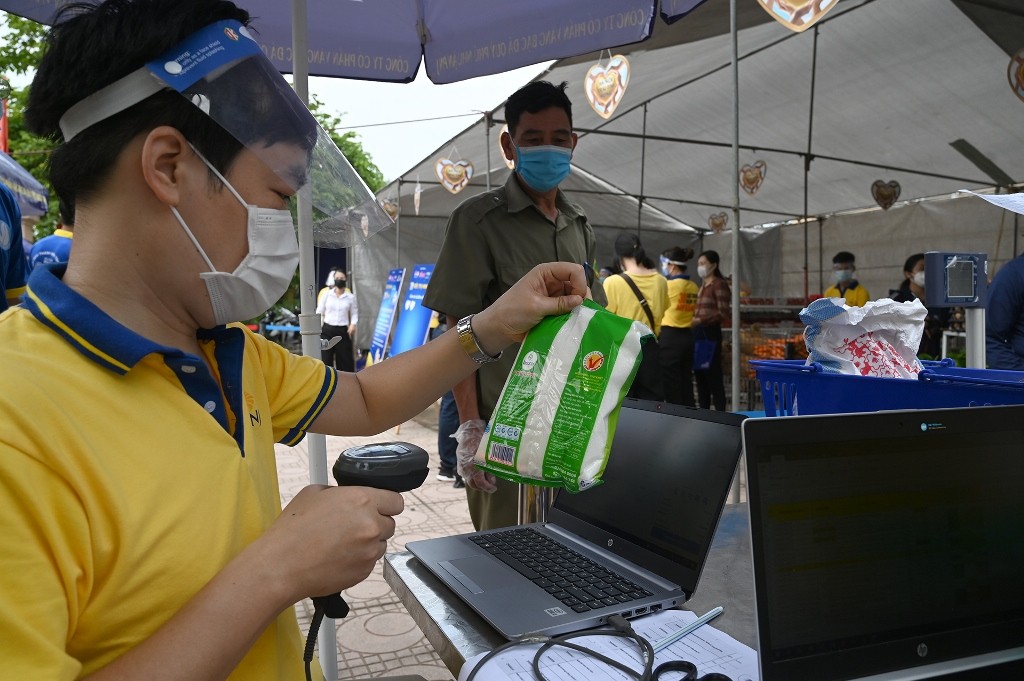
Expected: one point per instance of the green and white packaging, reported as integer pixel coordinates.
(556, 416)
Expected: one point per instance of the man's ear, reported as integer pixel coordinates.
(507, 147)
(575, 140)
(164, 152)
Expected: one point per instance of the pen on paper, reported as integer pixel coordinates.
(699, 622)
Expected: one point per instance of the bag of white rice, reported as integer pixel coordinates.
(556, 415)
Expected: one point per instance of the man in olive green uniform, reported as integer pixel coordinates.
(491, 241)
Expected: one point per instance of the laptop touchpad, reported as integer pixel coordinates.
(477, 573)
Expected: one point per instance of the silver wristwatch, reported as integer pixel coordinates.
(470, 344)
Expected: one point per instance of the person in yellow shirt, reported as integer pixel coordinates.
(676, 340)
(846, 287)
(645, 303)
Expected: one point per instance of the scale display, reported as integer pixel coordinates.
(955, 279)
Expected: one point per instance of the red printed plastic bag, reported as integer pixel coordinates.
(879, 339)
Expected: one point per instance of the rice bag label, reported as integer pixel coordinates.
(556, 415)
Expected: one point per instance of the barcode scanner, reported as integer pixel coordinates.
(395, 466)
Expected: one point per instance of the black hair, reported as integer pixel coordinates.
(678, 254)
(713, 258)
(66, 210)
(912, 261)
(908, 266)
(843, 257)
(93, 45)
(627, 245)
(533, 98)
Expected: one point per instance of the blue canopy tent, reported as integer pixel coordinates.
(31, 195)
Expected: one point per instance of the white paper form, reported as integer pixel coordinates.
(708, 648)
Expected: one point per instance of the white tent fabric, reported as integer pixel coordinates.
(878, 90)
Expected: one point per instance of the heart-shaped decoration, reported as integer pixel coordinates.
(390, 207)
(751, 176)
(1016, 73)
(717, 222)
(605, 85)
(885, 193)
(797, 15)
(453, 175)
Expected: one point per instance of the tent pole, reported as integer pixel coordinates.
(807, 162)
(736, 216)
(309, 321)
(398, 224)
(643, 168)
(488, 122)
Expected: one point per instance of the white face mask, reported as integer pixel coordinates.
(919, 278)
(264, 274)
(702, 271)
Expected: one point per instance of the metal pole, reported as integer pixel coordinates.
(488, 122)
(974, 324)
(807, 162)
(736, 208)
(643, 167)
(309, 321)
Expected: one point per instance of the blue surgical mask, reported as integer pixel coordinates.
(543, 168)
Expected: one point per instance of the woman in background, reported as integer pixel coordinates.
(652, 289)
(912, 288)
(713, 301)
(676, 339)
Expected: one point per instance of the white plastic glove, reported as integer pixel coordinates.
(468, 436)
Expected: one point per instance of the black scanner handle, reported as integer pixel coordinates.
(396, 466)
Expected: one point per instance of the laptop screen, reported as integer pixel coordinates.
(676, 464)
(887, 540)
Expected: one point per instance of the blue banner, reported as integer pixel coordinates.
(386, 315)
(414, 320)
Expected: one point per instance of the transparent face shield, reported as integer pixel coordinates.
(222, 71)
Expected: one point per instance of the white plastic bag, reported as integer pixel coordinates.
(879, 339)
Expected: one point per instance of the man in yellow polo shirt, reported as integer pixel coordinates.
(846, 286)
(141, 531)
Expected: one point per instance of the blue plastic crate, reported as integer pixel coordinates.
(791, 388)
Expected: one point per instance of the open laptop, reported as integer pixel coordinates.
(889, 544)
(648, 529)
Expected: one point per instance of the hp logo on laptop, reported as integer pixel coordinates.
(922, 650)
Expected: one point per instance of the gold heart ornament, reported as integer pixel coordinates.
(717, 222)
(453, 175)
(1016, 73)
(797, 15)
(751, 176)
(390, 207)
(885, 193)
(606, 84)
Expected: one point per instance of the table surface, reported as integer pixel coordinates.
(457, 633)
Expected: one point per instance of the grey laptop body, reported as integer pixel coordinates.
(635, 544)
(888, 545)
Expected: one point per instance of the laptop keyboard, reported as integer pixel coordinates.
(577, 581)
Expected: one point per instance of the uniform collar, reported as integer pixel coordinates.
(519, 200)
(86, 327)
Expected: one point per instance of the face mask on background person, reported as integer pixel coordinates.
(543, 168)
(918, 278)
(702, 271)
(842, 276)
(339, 283)
(264, 274)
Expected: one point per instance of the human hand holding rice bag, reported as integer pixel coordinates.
(556, 415)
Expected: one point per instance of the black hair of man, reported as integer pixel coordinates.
(843, 258)
(91, 46)
(67, 212)
(533, 98)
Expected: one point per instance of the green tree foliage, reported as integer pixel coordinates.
(21, 48)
